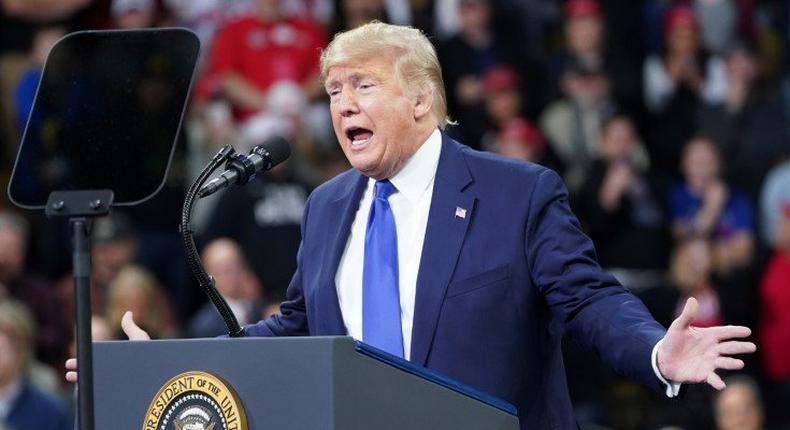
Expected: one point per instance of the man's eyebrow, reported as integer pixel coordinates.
(353, 77)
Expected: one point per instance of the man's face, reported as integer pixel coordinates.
(373, 118)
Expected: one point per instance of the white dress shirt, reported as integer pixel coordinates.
(410, 205)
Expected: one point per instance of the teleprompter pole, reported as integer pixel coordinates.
(81, 207)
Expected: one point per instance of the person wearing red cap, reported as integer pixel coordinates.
(584, 32)
(501, 95)
(676, 83)
(521, 140)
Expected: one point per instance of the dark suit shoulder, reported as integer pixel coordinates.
(496, 167)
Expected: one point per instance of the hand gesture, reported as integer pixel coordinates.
(133, 332)
(690, 354)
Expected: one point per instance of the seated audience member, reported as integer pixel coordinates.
(225, 262)
(676, 83)
(32, 290)
(691, 271)
(22, 406)
(573, 124)
(622, 208)
(749, 125)
(137, 290)
(705, 206)
(739, 406)
(775, 304)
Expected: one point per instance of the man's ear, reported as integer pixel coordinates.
(423, 103)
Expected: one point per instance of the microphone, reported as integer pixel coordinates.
(240, 168)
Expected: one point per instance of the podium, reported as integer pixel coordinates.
(299, 383)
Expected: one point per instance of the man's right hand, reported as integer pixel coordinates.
(133, 332)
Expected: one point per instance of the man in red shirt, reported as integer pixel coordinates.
(253, 53)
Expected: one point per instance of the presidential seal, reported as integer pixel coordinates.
(195, 401)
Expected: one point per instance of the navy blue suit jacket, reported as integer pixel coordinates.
(496, 289)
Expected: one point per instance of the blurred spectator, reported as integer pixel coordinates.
(129, 14)
(775, 193)
(501, 95)
(585, 43)
(353, 13)
(22, 406)
(137, 290)
(691, 272)
(705, 206)
(676, 82)
(465, 59)
(775, 309)
(623, 209)
(718, 23)
(271, 207)
(115, 246)
(521, 140)
(224, 261)
(749, 126)
(32, 290)
(584, 32)
(739, 406)
(252, 54)
(205, 17)
(683, 65)
(573, 124)
(28, 83)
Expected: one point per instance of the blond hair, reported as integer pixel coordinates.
(16, 322)
(416, 63)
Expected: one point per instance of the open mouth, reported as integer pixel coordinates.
(358, 135)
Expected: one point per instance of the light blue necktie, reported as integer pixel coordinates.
(381, 325)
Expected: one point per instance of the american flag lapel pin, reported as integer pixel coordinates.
(460, 212)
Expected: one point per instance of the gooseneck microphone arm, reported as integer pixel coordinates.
(193, 257)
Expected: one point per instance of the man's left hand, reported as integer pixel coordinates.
(691, 354)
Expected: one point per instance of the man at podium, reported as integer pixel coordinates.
(462, 261)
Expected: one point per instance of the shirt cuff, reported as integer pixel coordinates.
(672, 388)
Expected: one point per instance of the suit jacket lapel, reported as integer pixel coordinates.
(450, 213)
(345, 206)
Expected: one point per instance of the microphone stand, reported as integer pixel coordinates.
(193, 258)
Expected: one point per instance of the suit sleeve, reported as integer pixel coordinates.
(599, 312)
(292, 320)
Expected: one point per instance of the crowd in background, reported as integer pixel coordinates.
(668, 120)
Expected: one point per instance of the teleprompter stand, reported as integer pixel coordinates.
(98, 137)
(80, 207)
